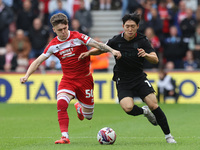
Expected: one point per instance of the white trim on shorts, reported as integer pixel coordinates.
(64, 97)
(67, 91)
(86, 106)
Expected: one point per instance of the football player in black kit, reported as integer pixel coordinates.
(129, 76)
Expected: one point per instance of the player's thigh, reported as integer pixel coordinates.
(125, 95)
(84, 93)
(66, 87)
(151, 101)
(127, 104)
(144, 88)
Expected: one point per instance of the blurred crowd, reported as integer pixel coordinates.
(172, 27)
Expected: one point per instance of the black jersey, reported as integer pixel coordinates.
(129, 66)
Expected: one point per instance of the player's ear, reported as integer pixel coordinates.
(53, 29)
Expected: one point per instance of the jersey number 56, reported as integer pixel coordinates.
(89, 93)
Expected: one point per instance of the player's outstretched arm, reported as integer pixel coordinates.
(33, 67)
(104, 48)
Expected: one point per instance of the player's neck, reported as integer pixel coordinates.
(128, 38)
(61, 39)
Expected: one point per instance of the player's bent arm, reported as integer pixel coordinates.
(33, 67)
(152, 58)
(101, 46)
(104, 48)
(93, 51)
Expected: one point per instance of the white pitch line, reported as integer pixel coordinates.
(87, 137)
(32, 137)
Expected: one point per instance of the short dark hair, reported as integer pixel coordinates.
(59, 18)
(134, 16)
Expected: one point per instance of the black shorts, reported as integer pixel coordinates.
(140, 88)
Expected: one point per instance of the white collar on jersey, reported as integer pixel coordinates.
(122, 34)
(66, 38)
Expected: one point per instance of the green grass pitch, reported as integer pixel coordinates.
(35, 127)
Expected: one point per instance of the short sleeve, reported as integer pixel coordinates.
(84, 38)
(146, 45)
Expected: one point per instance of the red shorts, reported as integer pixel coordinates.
(81, 88)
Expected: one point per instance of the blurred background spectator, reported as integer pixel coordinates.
(53, 5)
(166, 87)
(105, 4)
(194, 43)
(180, 15)
(189, 63)
(198, 14)
(76, 26)
(172, 8)
(44, 11)
(169, 66)
(146, 10)
(70, 6)
(6, 18)
(125, 4)
(129, 6)
(84, 16)
(155, 22)
(191, 4)
(38, 36)
(155, 43)
(21, 46)
(8, 3)
(12, 30)
(142, 23)
(8, 61)
(165, 16)
(174, 48)
(59, 9)
(17, 6)
(2, 50)
(188, 24)
(26, 16)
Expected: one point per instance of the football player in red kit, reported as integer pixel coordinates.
(77, 80)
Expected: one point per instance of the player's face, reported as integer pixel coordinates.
(61, 30)
(130, 29)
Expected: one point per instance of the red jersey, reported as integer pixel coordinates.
(68, 52)
(164, 15)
